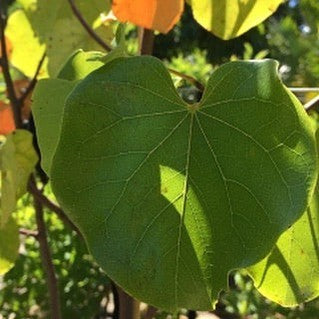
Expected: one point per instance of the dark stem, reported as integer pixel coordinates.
(51, 205)
(146, 46)
(191, 314)
(28, 232)
(47, 261)
(87, 27)
(221, 312)
(116, 311)
(189, 78)
(33, 81)
(14, 101)
(129, 307)
(150, 312)
(146, 41)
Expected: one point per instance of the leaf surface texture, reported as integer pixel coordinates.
(169, 196)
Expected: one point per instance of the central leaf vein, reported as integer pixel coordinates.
(180, 228)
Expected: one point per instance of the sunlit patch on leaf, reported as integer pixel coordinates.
(228, 18)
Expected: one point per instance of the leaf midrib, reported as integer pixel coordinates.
(186, 184)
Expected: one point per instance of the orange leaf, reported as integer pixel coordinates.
(159, 15)
(6, 115)
(6, 119)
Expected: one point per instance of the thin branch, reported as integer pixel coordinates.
(149, 313)
(312, 103)
(47, 263)
(33, 82)
(303, 90)
(146, 39)
(51, 206)
(116, 300)
(188, 78)
(28, 232)
(14, 101)
(87, 27)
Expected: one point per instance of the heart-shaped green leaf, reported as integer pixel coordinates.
(169, 196)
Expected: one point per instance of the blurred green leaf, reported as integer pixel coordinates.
(50, 25)
(9, 245)
(17, 161)
(228, 18)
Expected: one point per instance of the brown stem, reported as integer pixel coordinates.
(189, 78)
(146, 41)
(150, 312)
(146, 45)
(116, 311)
(87, 27)
(28, 232)
(47, 261)
(51, 205)
(14, 101)
(129, 307)
(33, 81)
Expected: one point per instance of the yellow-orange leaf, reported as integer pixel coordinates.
(159, 15)
(6, 119)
